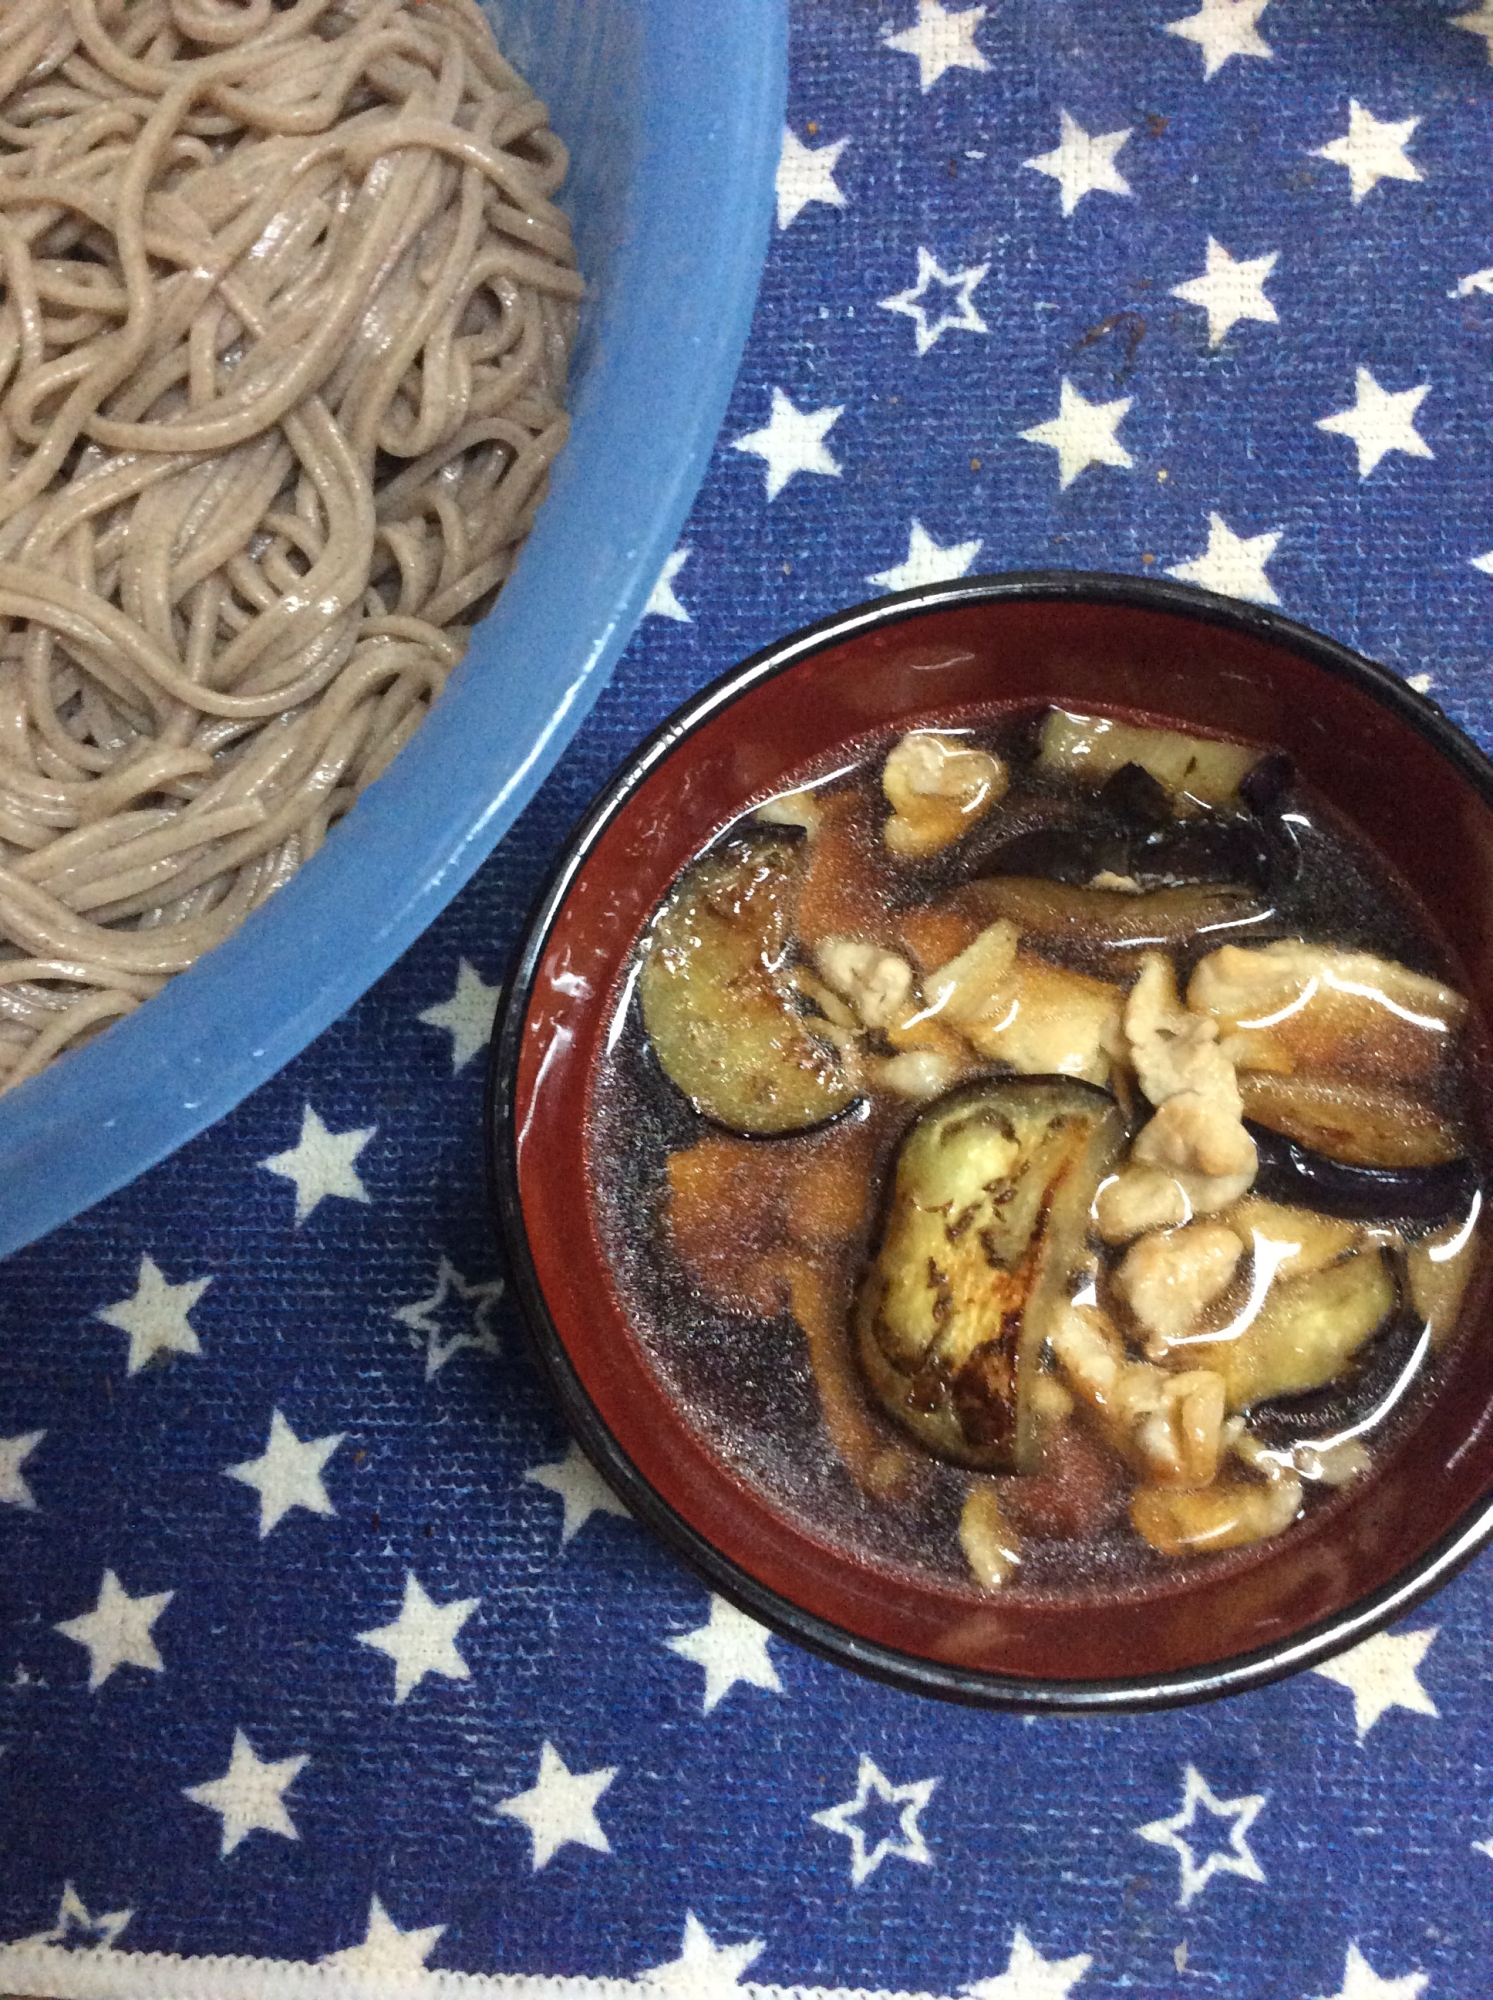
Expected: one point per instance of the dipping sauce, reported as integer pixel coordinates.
(1039, 1153)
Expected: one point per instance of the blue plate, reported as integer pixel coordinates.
(674, 129)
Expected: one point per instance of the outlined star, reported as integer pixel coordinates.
(703, 1970)
(250, 1795)
(792, 440)
(949, 315)
(1237, 1860)
(1478, 22)
(730, 1647)
(662, 603)
(386, 1950)
(320, 1163)
(1083, 434)
(422, 1317)
(927, 562)
(1030, 1976)
(1083, 162)
(422, 1639)
(560, 1808)
(1224, 28)
(1232, 564)
(75, 1926)
(14, 1452)
(1361, 1982)
(844, 1819)
(1230, 290)
(117, 1631)
(155, 1318)
(1372, 150)
(1380, 421)
(1380, 1674)
(805, 174)
(582, 1490)
(287, 1473)
(467, 1017)
(942, 38)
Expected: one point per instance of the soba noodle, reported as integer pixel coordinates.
(286, 311)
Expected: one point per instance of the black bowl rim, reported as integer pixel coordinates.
(1237, 1674)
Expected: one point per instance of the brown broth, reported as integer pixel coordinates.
(738, 1258)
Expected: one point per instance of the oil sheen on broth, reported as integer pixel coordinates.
(1036, 1154)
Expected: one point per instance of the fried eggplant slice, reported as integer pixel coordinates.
(1297, 1175)
(1365, 1124)
(718, 1000)
(986, 1233)
(1292, 1006)
(1049, 912)
(1439, 1269)
(1305, 1333)
(1193, 770)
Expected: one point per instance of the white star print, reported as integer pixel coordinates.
(662, 603)
(1224, 28)
(1361, 1982)
(1422, 683)
(1030, 1976)
(942, 39)
(156, 1317)
(845, 1819)
(387, 1952)
(1232, 564)
(1238, 1860)
(14, 1452)
(956, 314)
(730, 1647)
(250, 1795)
(792, 441)
(1380, 1674)
(1372, 150)
(703, 1970)
(582, 1490)
(927, 562)
(287, 1473)
(1478, 281)
(1479, 22)
(805, 174)
(1229, 291)
(467, 1017)
(1082, 434)
(560, 1809)
(1484, 563)
(117, 1631)
(75, 1925)
(422, 1639)
(1380, 421)
(1083, 163)
(321, 1164)
(421, 1317)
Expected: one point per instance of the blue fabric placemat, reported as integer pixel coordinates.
(324, 1658)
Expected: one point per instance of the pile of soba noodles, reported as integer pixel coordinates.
(284, 324)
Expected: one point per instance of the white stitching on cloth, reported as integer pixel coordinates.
(50, 1973)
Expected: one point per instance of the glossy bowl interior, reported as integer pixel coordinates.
(670, 194)
(1384, 756)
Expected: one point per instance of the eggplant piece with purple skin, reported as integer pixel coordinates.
(986, 1229)
(1297, 1176)
(1362, 1395)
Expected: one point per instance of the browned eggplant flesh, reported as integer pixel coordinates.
(1096, 1123)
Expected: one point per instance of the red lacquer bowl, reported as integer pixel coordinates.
(1383, 755)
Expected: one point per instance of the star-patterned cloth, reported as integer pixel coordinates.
(329, 1665)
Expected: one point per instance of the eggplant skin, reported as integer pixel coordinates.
(1299, 1177)
(715, 996)
(986, 1227)
(1360, 1122)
